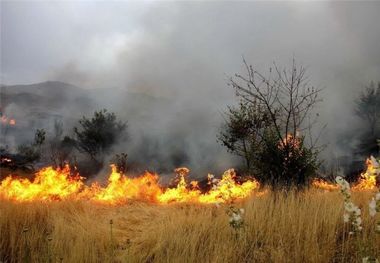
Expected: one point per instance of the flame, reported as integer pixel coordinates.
(49, 184)
(5, 160)
(6, 120)
(367, 180)
(289, 139)
(58, 184)
(324, 185)
(121, 188)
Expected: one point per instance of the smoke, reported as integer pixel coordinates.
(164, 66)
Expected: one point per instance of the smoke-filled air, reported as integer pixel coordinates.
(189, 131)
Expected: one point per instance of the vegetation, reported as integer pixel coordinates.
(120, 161)
(368, 109)
(273, 126)
(32, 152)
(61, 150)
(243, 132)
(97, 135)
(295, 227)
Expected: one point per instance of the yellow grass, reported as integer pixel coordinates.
(304, 227)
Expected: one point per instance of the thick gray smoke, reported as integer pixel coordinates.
(164, 66)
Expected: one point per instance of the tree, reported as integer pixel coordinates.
(243, 131)
(32, 152)
(97, 135)
(368, 106)
(286, 154)
(368, 109)
(61, 150)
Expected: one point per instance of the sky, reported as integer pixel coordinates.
(185, 51)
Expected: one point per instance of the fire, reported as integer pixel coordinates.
(324, 185)
(58, 184)
(6, 120)
(5, 160)
(289, 139)
(121, 188)
(226, 189)
(49, 184)
(367, 180)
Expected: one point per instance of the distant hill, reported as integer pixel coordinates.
(49, 95)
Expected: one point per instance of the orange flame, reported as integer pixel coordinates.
(5, 120)
(367, 180)
(49, 184)
(57, 184)
(289, 139)
(324, 185)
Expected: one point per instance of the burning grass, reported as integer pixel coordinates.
(56, 217)
(61, 184)
(297, 227)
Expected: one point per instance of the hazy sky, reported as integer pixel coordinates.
(74, 39)
(187, 50)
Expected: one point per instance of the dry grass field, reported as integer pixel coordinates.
(306, 227)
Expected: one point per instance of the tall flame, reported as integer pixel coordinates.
(48, 184)
(367, 180)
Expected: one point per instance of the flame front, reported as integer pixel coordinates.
(49, 184)
(367, 180)
(121, 188)
(324, 185)
(57, 184)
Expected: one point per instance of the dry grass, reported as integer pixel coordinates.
(298, 228)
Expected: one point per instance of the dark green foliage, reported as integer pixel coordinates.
(39, 137)
(286, 164)
(368, 106)
(97, 135)
(368, 109)
(243, 131)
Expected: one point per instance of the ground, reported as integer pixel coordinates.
(297, 227)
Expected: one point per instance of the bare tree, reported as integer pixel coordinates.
(286, 95)
(289, 154)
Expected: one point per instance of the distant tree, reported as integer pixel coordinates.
(39, 137)
(276, 122)
(61, 150)
(368, 106)
(32, 152)
(368, 109)
(97, 135)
